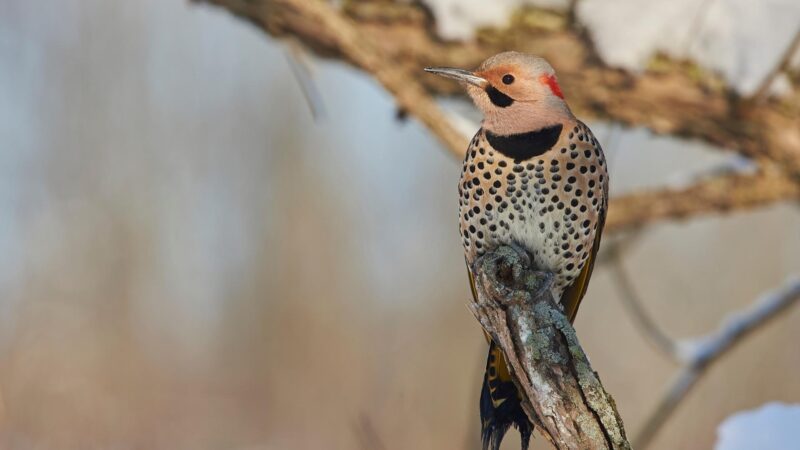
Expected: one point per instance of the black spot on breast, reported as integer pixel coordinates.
(523, 146)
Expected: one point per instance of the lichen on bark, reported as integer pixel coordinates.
(561, 392)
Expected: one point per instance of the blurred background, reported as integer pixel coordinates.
(189, 260)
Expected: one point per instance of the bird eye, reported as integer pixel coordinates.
(508, 78)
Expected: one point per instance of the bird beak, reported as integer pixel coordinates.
(459, 74)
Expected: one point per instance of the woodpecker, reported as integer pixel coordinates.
(535, 177)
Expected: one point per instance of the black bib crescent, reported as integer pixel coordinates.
(524, 146)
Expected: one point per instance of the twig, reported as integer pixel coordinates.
(562, 395)
(393, 50)
(572, 13)
(393, 47)
(647, 326)
(699, 354)
(779, 68)
(696, 25)
(715, 195)
(298, 62)
(367, 435)
(317, 20)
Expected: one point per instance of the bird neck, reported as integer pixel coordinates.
(524, 117)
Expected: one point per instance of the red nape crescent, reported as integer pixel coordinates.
(550, 80)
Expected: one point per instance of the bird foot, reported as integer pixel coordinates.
(511, 266)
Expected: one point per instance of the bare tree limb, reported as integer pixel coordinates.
(715, 195)
(630, 299)
(782, 65)
(320, 26)
(693, 355)
(393, 40)
(700, 353)
(562, 395)
(301, 69)
(368, 436)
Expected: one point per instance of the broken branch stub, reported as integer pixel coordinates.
(561, 394)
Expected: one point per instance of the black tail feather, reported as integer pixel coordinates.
(500, 407)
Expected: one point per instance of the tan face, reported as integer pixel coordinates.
(520, 84)
(516, 92)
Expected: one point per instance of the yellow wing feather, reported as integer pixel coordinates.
(571, 299)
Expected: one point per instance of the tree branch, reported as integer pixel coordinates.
(562, 395)
(715, 195)
(700, 353)
(647, 326)
(392, 41)
(328, 32)
(783, 64)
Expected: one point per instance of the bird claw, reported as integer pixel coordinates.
(518, 283)
(541, 282)
(523, 254)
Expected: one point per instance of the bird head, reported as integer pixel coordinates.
(515, 91)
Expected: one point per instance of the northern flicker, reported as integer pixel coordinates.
(534, 176)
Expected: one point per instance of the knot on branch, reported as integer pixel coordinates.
(560, 392)
(508, 277)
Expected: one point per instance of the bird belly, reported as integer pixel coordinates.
(549, 206)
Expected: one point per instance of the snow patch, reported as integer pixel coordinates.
(458, 19)
(773, 426)
(743, 40)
